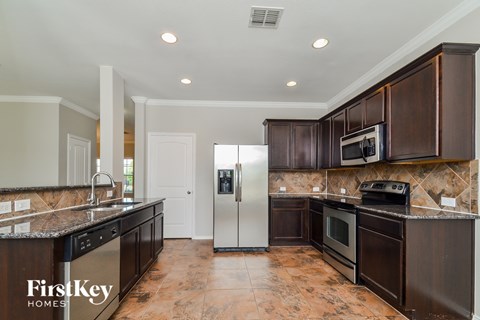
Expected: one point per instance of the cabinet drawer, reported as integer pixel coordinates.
(288, 203)
(158, 208)
(316, 205)
(136, 219)
(386, 226)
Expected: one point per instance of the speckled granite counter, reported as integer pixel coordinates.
(391, 210)
(59, 223)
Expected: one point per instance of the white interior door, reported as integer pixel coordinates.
(78, 160)
(170, 172)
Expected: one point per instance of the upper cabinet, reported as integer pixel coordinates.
(431, 108)
(324, 155)
(366, 112)
(338, 131)
(292, 144)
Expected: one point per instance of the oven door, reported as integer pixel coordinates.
(339, 232)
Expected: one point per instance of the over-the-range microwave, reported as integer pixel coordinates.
(364, 146)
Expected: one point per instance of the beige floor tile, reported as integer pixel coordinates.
(228, 279)
(270, 278)
(297, 260)
(150, 282)
(132, 307)
(281, 303)
(220, 262)
(312, 277)
(230, 305)
(185, 280)
(372, 302)
(167, 305)
(262, 260)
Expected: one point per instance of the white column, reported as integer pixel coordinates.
(140, 151)
(111, 123)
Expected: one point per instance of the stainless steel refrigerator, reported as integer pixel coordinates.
(240, 197)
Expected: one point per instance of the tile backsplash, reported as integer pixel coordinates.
(55, 198)
(428, 182)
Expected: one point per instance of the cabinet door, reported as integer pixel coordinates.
(413, 114)
(146, 255)
(158, 234)
(279, 145)
(381, 264)
(338, 131)
(289, 222)
(324, 144)
(355, 117)
(374, 108)
(129, 268)
(304, 145)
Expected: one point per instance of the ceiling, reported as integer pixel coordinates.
(55, 47)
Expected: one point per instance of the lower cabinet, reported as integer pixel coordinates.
(422, 267)
(289, 221)
(140, 243)
(316, 223)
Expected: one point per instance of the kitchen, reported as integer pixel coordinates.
(240, 116)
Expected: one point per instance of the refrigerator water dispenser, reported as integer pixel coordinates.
(225, 183)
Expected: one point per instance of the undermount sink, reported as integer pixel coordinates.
(107, 206)
(120, 204)
(102, 209)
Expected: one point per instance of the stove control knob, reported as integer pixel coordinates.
(394, 187)
(400, 187)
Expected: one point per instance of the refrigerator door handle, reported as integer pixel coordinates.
(235, 178)
(239, 182)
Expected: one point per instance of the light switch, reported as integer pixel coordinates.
(21, 205)
(283, 189)
(22, 227)
(316, 189)
(343, 190)
(6, 207)
(4, 230)
(109, 193)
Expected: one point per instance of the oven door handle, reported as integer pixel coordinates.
(340, 209)
(362, 146)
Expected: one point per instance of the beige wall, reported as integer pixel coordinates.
(216, 125)
(28, 144)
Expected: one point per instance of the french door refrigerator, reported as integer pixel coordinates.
(240, 197)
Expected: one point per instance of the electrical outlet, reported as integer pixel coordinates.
(109, 193)
(4, 230)
(316, 189)
(6, 207)
(283, 189)
(449, 202)
(22, 227)
(343, 191)
(21, 205)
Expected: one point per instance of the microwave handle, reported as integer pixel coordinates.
(362, 144)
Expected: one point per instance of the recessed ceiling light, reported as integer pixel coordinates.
(291, 84)
(169, 37)
(186, 81)
(320, 43)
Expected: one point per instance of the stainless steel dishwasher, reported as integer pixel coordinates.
(92, 271)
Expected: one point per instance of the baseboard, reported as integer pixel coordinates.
(206, 238)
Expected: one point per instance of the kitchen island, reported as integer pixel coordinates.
(35, 247)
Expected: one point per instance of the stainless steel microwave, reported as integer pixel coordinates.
(364, 146)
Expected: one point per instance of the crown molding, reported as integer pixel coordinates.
(138, 99)
(79, 109)
(415, 43)
(234, 104)
(50, 99)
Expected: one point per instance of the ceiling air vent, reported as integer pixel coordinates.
(262, 17)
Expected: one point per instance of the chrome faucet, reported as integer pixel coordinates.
(92, 198)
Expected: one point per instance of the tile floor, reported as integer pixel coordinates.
(189, 281)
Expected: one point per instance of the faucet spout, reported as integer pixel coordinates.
(92, 198)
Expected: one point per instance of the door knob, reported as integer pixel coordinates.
(188, 192)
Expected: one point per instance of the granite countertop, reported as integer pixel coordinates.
(404, 212)
(58, 223)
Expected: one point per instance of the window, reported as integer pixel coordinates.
(128, 175)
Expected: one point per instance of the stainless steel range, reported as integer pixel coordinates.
(340, 222)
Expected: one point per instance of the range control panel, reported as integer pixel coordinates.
(396, 187)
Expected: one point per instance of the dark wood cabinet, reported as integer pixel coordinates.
(129, 267)
(316, 223)
(338, 131)
(431, 107)
(292, 144)
(288, 221)
(141, 241)
(146, 252)
(324, 144)
(374, 108)
(417, 265)
(354, 115)
(279, 145)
